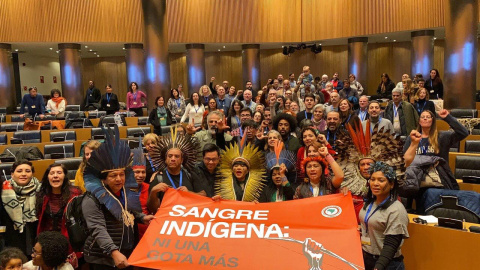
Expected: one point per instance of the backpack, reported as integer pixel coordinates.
(76, 224)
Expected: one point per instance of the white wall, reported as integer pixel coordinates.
(36, 66)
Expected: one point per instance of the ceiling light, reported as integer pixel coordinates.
(91, 50)
(320, 44)
(98, 55)
(57, 51)
(16, 50)
(224, 47)
(51, 49)
(86, 46)
(94, 53)
(386, 37)
(123, 48)
(218, 49)
(283, 46)
(394, 40)
(434, 38)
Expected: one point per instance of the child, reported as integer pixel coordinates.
(12, 259)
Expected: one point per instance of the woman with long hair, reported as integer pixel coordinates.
(347, 114)
(385, 87)
(194, 110)
(176, 105)
(233, 119)
(280, 104)
(258, 117)
(134, 99)
(205, 94)
(89, 147)
(408, 91)
(422, 102)
(383, 220)
(56, 104)
(231, 92)
(160, 116)
(20, 218)
(318, 179)
(434, 85)
(54, 195)
(212, 106)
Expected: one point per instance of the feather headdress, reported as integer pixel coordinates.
(186, 144)
(281, 156)
(250, 155)
(113, 155)
(353, 146)
(138, 157)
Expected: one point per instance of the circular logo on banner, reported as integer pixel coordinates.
(331, 211)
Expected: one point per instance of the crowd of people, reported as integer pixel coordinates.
(292, 139)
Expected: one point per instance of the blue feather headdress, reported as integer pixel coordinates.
(113, 155)
(138, 156)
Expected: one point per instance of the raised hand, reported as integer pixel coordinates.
(443, 113)
(415, 136)
(222, 124)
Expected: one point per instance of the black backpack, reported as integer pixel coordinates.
(76, 224)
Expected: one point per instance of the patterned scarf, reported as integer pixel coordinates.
(19, 202)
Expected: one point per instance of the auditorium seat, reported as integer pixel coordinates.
(74, 115)
(3, 139)
(71, 165)
(11, 127)
(57, 151)
(455, 147)
(3, 110)
(142, 120)
(132, 143)
(467, 166)
(109, 121)
(96, 114)
(97, 134)
(5, 170)
(472, 146)
(61, 136)
(137, 131)
(456, 204)
(72, 108)
(17, 118)
(3, 118)
(165, 130)
(17, 109)
(32, 136)
(464, 113)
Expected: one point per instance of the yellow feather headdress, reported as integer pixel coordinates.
(255, 160)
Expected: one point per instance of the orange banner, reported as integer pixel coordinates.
(194, 232)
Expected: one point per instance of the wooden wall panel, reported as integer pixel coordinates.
(224, 66)
(326, 19)
(103, 70)
(71, 21)
(178, 71)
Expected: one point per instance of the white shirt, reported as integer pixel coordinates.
(29, 266)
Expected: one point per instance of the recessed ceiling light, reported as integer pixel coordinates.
(16, 50)
(57, 51)
(94, 53)
(320, 44)
(91, 50)
(51, 49)
(123, 48)
(283, 46)
(434, 38)
(86, 46)
(394, 40)
(224, 47)
(386, 37)
(98, 55)
(218, 49)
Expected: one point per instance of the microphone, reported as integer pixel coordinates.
(11, 154)
(64, 152)
(65, 136)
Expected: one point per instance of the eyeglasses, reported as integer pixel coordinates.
(35, 253)
(419, 220)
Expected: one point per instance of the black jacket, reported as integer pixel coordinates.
(114, 105)
(269, 190)
(94, 97)
(203, 180)
(388, 90)
(106, 233)
(435, 90)
(155, 121)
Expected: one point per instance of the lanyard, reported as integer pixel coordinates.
(334, 136)
(320, 191)
(196, 110)
(367, 218)
(206, 99)
(151, 163)
(363, 115)
(379, 120)
(421, 110)
(135, 96)
(108, 98)
(171, 181)
(431, 83)
(178, 103)
(395, 109)
(306, 115)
